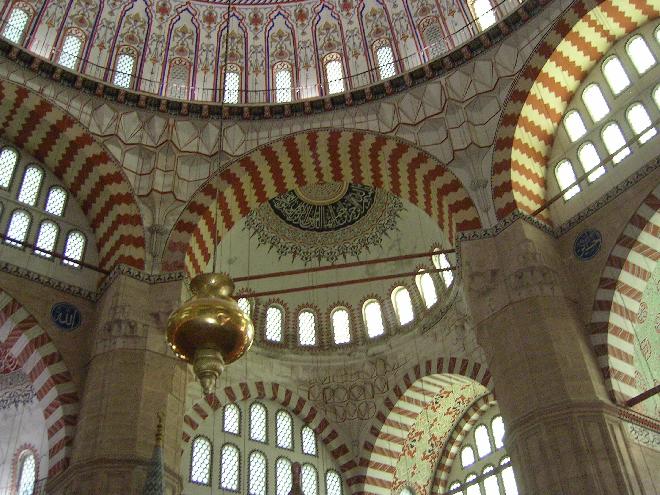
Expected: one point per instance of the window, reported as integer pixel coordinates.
(640, 55)
(179, 78)
(385, 60)
(484, 13)
(70, 52)
(616, 77)
(309, 480)
(308, 441)
(306, 328)
(474, 488)
(46, 239)
(406, 491)
(482, 440)
(229, 467)
(440, 261)
(258, 423)
(15, 26)
(434, 40)
(231, 419)
(498, 431)
(124, 70)
(283, 476)
(467, 456)
(244, 305)
(508, 479)
(334, 73)
(615, 143)
(403, 305)
(333, 483)
(574, 125)
(283, 82)
(284, 430)
(455, 486)
(565, 177)
(341, 326)
(27, 474)
(640, 122)
(200, 462)
(31, 185)
(74, 248)
(56, 201)
(232, 86)
(373, 318)
(427, 288)
(590, 160)
(8, 160)
(257, 474)
(656, 96)
(274, 324)
(595, 102)
(18, 228)
(491, 486)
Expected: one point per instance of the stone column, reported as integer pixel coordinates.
(131, 378)
(563, 433)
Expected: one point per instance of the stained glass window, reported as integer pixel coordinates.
(284, 430)
(274, 324)
(27, 475)
(74, 248)
(124, 70)
(373, 317)
(257, 474)
(341, 326)
(308, 441)
(258, 423)
(31, 185)
(310, 483)
(70, 52)
(427, 288)
(231, 419)
(8, 159)
(403, 305)
(565, 177)
(17, 230)
(229, 467)
(15, 25)
(55, 201)
(306, 328)
(200, 463)
(283, 476)
(46, 239)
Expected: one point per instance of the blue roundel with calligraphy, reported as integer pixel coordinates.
(66, 316)
(587, 244)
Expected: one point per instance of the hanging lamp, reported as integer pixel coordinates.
(210, 330)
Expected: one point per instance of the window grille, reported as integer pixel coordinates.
(274, 324)
(27, 475)
(15, 25)
(341, 326)
(306, 328)
(200, 464)
(283, 83)
(284, 430)
(229, 467)
(283, 476)
(55, 201)
(385, 59)
(403, 305)
(309, 480)
(231, 419)
(435, 43)
(333, 483)
(31, 185)
(18, 228)
(74, 248)
(178, 80)
(257, 474)
(308, 441)
(373, 317)
(244, 305)
(46, 239)
(70, 52)
(258, 425)
(8, 160)
(232, 87)
(334, 73)
(124, 70)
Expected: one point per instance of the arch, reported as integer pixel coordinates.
(22, 338)
(619, 294)
(542, 92)
(391, 423)
(282, 395)
(88, 172)
(302, 158)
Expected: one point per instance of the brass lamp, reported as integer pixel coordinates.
(210, 330)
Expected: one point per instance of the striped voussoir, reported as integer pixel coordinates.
(543, 90)
(453, 443)
(312, 157)
(298, 405)
(620, 289)
(29, 344)
(39, 128)
(388, 431)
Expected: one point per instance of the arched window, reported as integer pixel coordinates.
(440, 261)
(593, 99)
(498, 432)
(257, 474)
(230, 460)
(231, 419)
(283, 77)
(640, 122)
(426, 288)
(56, 201)
(74, 248)
(46, 239)
(615, 75)
(308, 440)
(590, 160)
(341, 326)
(244, 305)
(467, 456)
(384, 59)
(70, 51)
(334, 73)
(484, 13)
(508, 479)
(284, 430)
(373, 318)
(565, 177)
(179, 79)
(258, 426)
(491, 486)
(435, 43)
(406, 491)
(482, 439)
(333, 483)
(274, 324)
(656, 95)
(402, 305)
(15, 26)
(574, 125)
(232, 85)
(306, 328)
(614, 141)
(472, 485)
(200, 461)
(31, 185)
(309, 481)
(124, 70)
(27, 474)
(455, 486)
(17, 230)
(640, 54)
(8, 160)
(283, 476)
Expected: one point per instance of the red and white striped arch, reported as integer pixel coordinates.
(23, 339)
(545, 87)
(39, 128)
(311, 157)
(619, 294)
(387, 434)
(298, 405)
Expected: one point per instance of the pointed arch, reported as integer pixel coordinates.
(303, 158)
(543, 90)
(22, 338)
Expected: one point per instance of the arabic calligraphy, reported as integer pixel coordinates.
(66, 316)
